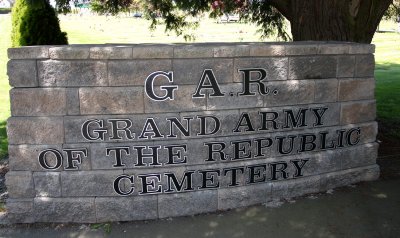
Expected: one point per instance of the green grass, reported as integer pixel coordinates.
(387, 75)
(5, 42)
(102, 29)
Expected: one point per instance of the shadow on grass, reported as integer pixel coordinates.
(3, 140)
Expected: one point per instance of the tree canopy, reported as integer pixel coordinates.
(338, 20)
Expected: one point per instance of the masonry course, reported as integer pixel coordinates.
(103, 133)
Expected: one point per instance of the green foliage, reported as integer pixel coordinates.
(393, 12)
(105, 226)
(34, 22)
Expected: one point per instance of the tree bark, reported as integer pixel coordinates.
(333, 20)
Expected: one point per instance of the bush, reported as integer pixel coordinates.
(36, 23)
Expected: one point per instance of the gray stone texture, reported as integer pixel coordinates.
(135, 72)
(126, 208)
(333, 49)
(111, 100)
(69, 52)
(289, 92)
(183, 101)
(326, 90)
(47, 184)
(186, 204)
(73, 106)
(56, 73)
(267, 50)
(346, 66)
(189, 71)
(356, 89)
(20, 210)
(191, 51)
(153, 52)
(20, 184)
(312, 67)
(276, 68)
(38, 102)
(22, 73)
(232, 51)
(356, 112)
(111, 52)
(58, 88)
(35, 130)
(229, 198)
(88, 183)
(79, 210)
(25, 157)
(365, 65)
(29, 52)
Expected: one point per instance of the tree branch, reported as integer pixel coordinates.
(283, 6)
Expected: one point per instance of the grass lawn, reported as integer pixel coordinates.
(101, 29)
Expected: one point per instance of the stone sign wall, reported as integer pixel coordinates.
(132, 132)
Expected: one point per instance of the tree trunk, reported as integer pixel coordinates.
(333, 20)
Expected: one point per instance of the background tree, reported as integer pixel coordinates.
(34, 22)
(339, 20)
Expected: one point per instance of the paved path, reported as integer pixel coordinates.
(366, 210)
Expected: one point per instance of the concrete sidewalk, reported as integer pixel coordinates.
(365, 210)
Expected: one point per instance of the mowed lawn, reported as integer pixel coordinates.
(88, 29)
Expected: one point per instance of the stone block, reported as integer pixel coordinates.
(360, 156)
(111, 52)
(301, 49)
(53, 73)
(290, 92)
(135, 72)
(361, 49)
(35, 130)
(38, 102)
(22, 73)
(233, 100)
(80, 210)
(312, 67)
(369, 131)
(69, 52)
(25, 157)
(356, 89)
(29, 52)
(349, 176)
(229, 198)
(104, 161)
(189, 71)
(20, 184)
(73, 106)
(276, 68)
(20, 210)
(47, 184)
(193, 51)
(346, 66)
(153, 52)
(231, 51)
(333, 49)
(326, 90)
(365, 66)
(183, 101)
(295, 187)
(267, 50)
(126, 208)
(111, 100)
(85, 162)
(88, 183)
(186, 204)
(356, 112)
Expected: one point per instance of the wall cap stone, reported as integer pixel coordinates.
(195, 50)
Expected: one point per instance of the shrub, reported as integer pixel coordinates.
(34, 22)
